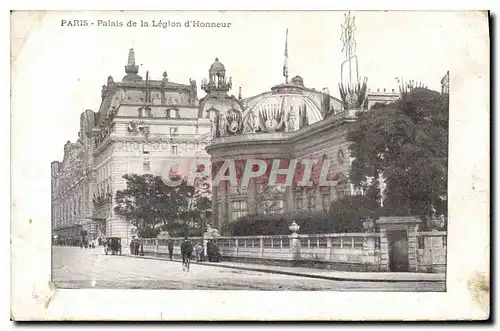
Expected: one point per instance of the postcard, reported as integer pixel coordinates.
(250, 165)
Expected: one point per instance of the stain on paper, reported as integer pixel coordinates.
(479, 287)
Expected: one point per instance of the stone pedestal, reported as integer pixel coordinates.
(295, 246)
(295, 242)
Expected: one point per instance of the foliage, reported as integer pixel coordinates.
(152, 206)
(345, 215)
(405, 142)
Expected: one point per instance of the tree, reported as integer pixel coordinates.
(406, 144)
(196, 209)
(152, 206)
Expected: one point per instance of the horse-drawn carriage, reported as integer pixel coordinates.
(113, 246)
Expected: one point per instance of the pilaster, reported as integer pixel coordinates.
(384, 250)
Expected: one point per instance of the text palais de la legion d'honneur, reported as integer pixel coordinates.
(146, 24)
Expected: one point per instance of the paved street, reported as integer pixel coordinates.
(78, 268)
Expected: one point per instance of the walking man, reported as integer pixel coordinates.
(170, 248)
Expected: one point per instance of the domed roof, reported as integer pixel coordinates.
(217, 67)
(288, 101)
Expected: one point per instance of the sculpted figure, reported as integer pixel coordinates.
(290, 123)
(222, 125)
(111, 82)
(250, 123)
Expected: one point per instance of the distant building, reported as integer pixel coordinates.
(381, 96)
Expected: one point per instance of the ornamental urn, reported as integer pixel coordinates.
(294, 227)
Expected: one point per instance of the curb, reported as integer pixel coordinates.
(298, 274)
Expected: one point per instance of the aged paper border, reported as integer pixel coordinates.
(33, 298)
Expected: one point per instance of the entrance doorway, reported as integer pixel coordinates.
(398, 251)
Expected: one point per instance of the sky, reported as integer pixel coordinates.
(68, 65)
(57, 71)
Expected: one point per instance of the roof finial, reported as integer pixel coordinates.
(131, 57)
(239, 93)
(285, 64)
(131, 68)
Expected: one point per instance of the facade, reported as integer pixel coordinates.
(381, 96)
(290, 122)
(140, 127)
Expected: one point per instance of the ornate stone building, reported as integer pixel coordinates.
(143, 124)
(289, 122)
(140, 127)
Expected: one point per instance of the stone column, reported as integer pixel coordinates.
(318, 204)
(412, 248)
(384, 250)
(223, 217)
(252, 196)
(289, 203)
(369, 254)
(333, 193)
(215, 211)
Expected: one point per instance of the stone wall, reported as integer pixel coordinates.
(431, 252)
(338, 251)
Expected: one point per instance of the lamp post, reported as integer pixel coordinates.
(202, 257)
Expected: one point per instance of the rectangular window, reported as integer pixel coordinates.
(146, 166)
(325, 202)
(239, 208)
(311, 203)
(145, 149)
(299, 202)
(175, 149)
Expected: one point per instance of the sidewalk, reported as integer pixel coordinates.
(320, 273)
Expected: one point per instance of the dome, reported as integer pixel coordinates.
(217, 67)
(286, 102)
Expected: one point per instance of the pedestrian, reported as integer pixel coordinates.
(137, 246)
(132, 246)
(170, 248)
(199, 252)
